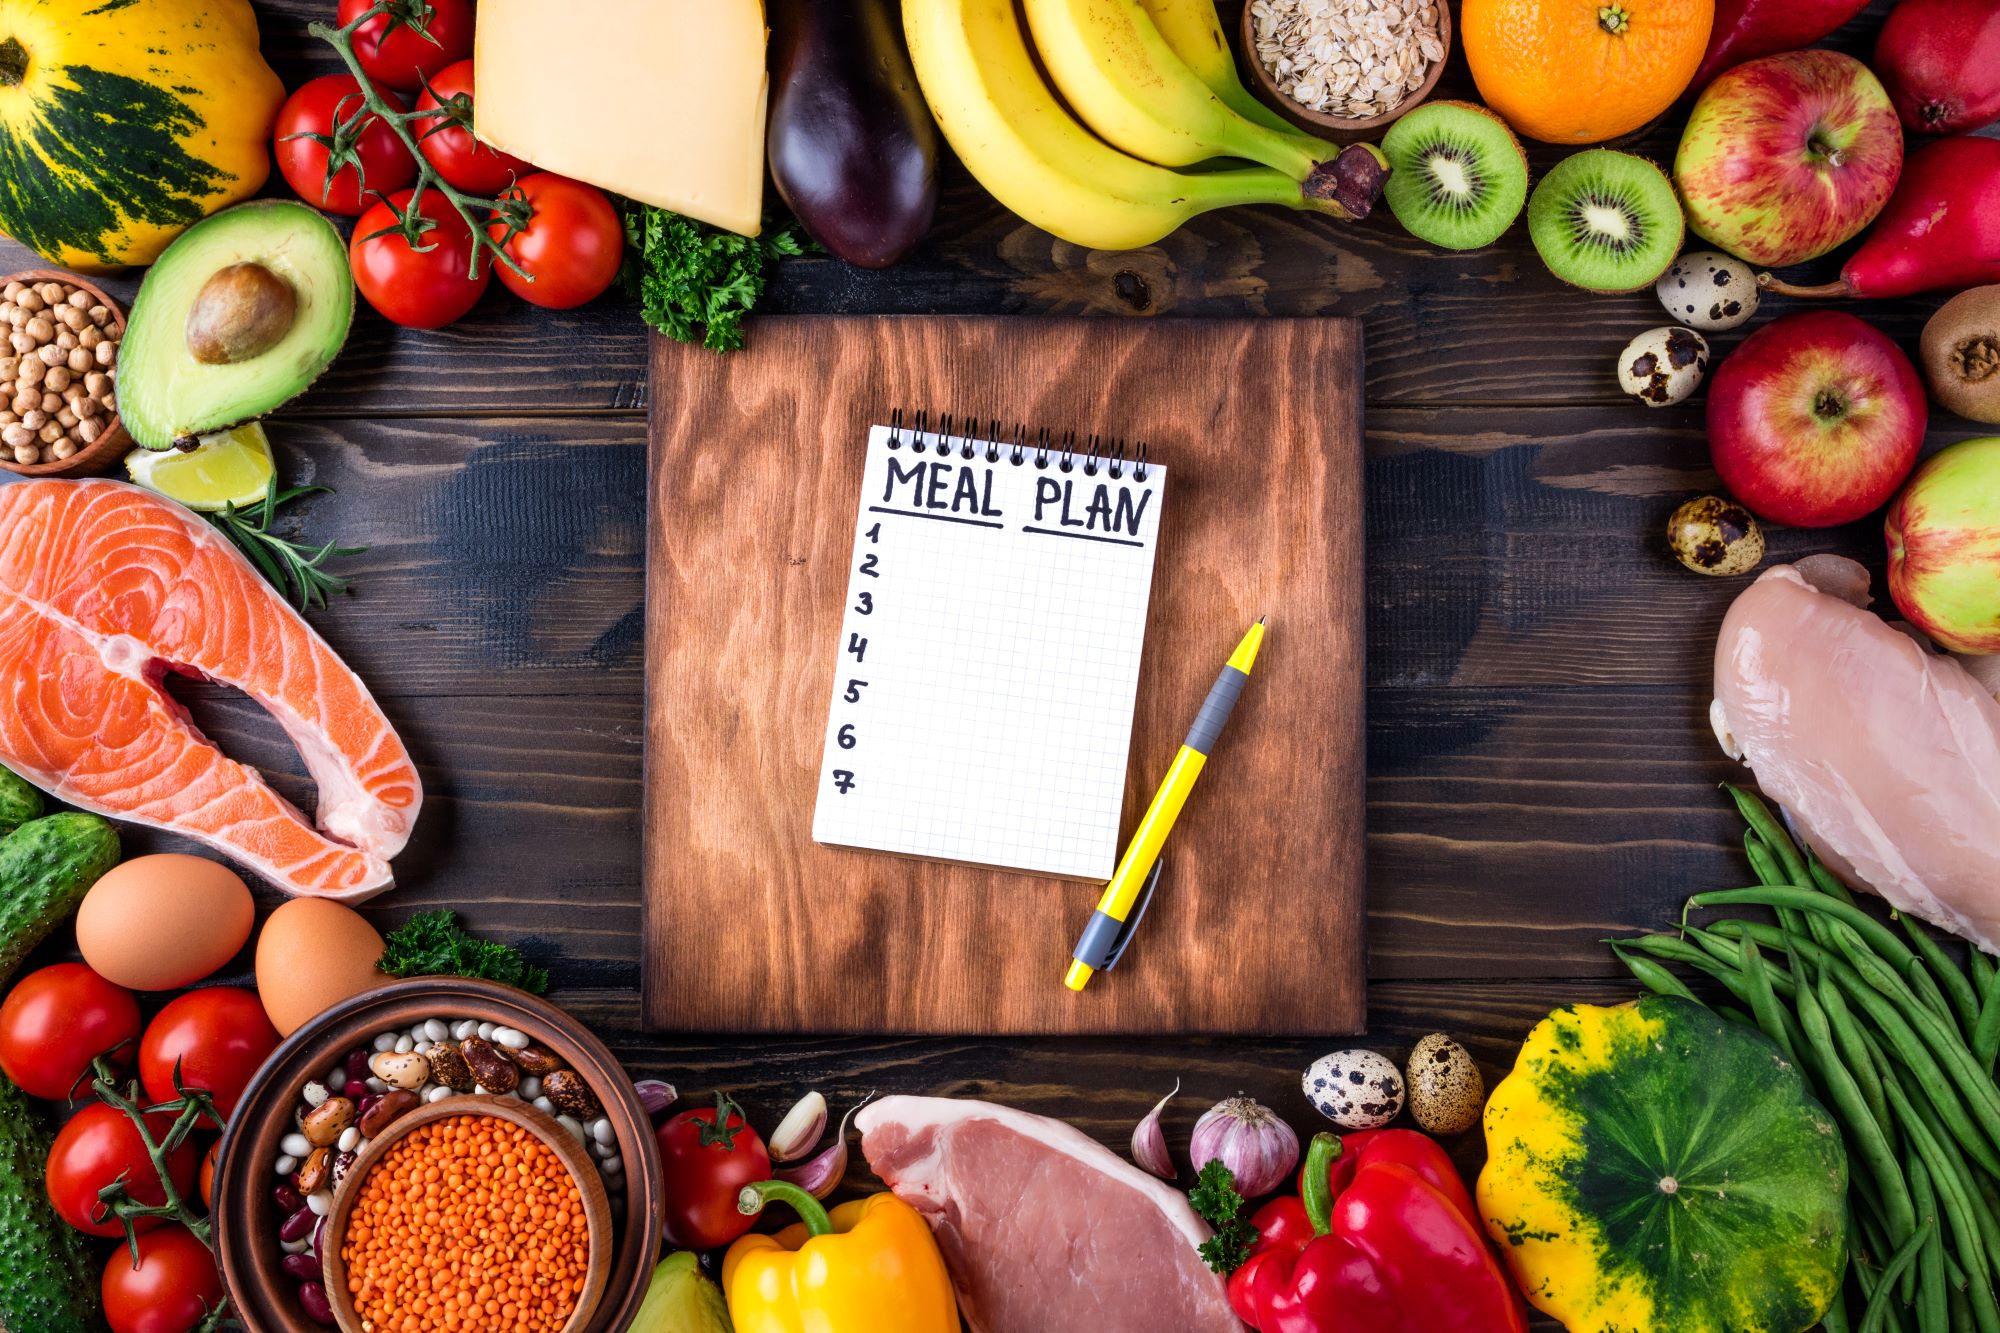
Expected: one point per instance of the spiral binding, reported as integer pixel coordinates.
(1099, 452)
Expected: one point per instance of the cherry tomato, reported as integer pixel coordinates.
(318, 106)
(395, 53)
(425, 289)
(448, 144)
(55, 1020)
(708, 1157)
(208, 1175)
(572, 244)
(218, 1036)
(98, 1145)
(171, 1290)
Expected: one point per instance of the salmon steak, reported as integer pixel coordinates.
(104, 589)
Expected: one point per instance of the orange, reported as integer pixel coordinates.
(1583, 71)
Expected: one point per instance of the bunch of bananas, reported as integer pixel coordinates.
(1156, 82)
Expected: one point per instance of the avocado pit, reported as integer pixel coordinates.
(241, 312)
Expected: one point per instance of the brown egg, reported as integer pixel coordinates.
(165, 921)
(311, 955)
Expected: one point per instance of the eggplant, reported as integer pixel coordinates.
(853, 149)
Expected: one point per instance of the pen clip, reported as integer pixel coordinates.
(1131, 925)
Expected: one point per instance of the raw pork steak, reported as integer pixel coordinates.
(1044, 1230)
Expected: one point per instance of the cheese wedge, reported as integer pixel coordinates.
(659, 100)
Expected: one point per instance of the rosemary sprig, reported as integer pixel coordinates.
(478, 213)
(294, 569)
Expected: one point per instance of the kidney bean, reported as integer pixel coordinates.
(357, 1067)
(304, 1267)
(298, 1226)
(288, 1199)
(388, 1108)
(312, 1299)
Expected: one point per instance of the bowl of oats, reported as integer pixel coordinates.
(1346, 69)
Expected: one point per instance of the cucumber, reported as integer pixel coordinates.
(19, 801)
(45, 869)
(48, 1277)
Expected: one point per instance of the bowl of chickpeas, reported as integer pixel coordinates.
(59, 337)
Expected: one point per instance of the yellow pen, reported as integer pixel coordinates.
(1111, 925)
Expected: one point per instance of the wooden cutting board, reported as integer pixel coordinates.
(754, 476)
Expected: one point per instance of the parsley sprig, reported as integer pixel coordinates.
(695, 283)
(433, 943)
(1215, 1200)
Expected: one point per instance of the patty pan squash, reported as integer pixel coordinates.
(1652, 1166)
(122, 122)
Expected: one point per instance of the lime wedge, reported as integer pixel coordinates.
(229, 467)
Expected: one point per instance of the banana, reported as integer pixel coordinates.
(1194, 31)
(1110, 62)
(973, 63)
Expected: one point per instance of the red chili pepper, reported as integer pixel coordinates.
(1383, 1238)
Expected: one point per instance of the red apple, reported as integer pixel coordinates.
(1944, 547)
(1815, 419)
(1786, 157)
(1941, 62)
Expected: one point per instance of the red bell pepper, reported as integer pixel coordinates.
(1383, 1238)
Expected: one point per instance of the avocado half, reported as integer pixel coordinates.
(235, 319)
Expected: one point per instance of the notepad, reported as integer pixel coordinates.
(988, 656)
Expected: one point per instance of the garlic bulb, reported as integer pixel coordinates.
(1259, 1149)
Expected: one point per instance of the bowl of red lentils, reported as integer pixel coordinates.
(470, 1214)
(59, 337)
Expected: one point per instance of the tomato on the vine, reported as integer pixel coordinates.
(448, 144)
(208, 1175)
(52, 1023)
(707, 1157)
(316, 108)
(571, 246)
(99, 1145)
(218, 1037)
(419, 289)
(393, 52)
(172, 1289)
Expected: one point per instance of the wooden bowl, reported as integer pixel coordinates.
(1340, 129)
(583, 1170)
(104, 453)
(247, 1216)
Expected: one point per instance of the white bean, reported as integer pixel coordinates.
(435, 1030)
(573, 1125)
(321, 1202)
(438, 1094)
(385, 1041)
(601, 1129)
(611, 1166)
(295, 1145)
(295, 1246)
(529, 1087)
(284, 1166)
(465, 1027)
(544, 1104)
(336, 1080)
(349, 1137)
(376, 1085)
(405, 1044)
(486, 1031)
(512, 1038)
(603, 1150)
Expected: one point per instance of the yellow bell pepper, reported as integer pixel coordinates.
(868, 1267)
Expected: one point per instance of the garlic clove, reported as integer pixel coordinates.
(822, 1175)
(799, 1132)
(1149, 1141)
(655, 1096)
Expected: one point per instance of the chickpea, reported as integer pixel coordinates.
(86, 407)
(65, 339)
(90, 337)
(15, 436)
(52, 292)
(39, 329)
(35, 420)
(56, 379)
(88, 431)
(50, 433)
(30, 300)
(67, 419)
(27, 455)
(63, 448)
(51, 402)
(80, 360)
(104, 352)
(24, 402)
(20, 342)
(100, 316)
(12, 292)
(76, 321)
(96, 383)
(10, 369)
(82, 300)
(32, 370)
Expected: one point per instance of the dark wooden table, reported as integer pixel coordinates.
(1541, 772)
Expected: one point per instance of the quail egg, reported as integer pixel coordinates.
(1709, 290)
(1711, 535)
(1663, 366)
(1446, 1091)
(1355, 1089)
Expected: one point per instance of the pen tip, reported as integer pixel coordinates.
(1260, 620)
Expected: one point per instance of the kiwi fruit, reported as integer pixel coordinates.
(1606, 221)
(1961, 354)
(1457, 175)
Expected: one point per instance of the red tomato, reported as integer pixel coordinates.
(425, 289)
(572, 244)
(55, 1020)
(394, 53)
(171, 1290)
(208, 1175)
(218, 1036)
(318, 106)
(98, 1145)
(448, 143)
(707, 1161)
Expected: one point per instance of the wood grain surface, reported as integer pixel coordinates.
(756, 466)
(1538, 771)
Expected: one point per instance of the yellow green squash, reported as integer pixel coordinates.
(1653, 1167)
(122, 122)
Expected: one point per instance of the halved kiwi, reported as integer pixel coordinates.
(1457, 175)
(1606, 221)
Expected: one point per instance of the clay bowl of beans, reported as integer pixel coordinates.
(359, 1082)
(59, 337)
(485, 1187)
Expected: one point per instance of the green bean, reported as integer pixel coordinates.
(1986, 1033)
(1986, 1224)
(1880, 937)
(1872, 1317)
(1964, 1002)
(1825, 880)
(1923, 983)
(1863, 1132)
(1676, 950)
(1961, 1312)
(1931, 1312)
(1854, 1051)
(1764, 1001)
(1763, 861)
(1981, 968)
(1950, 1187)
(1734, 1015)
(1767, 826)
(1653, 976)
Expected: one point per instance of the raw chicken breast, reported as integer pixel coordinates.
(1042, 1228)
(1887, 756)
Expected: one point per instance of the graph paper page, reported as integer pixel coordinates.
(988, 655)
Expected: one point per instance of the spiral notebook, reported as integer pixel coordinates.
(988, 658)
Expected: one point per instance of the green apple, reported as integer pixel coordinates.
(1944, 547)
